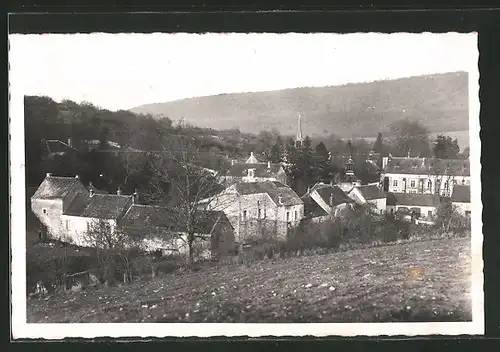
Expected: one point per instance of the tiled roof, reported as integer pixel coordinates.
(55, 187)
(429, 166)
(275, 190)
(461, 194)
(311, 208)
(372, 192)
(96, 190)
(106, 206)
(337, 195)
(78, 205)
(416, 199)
(144, 216)
(261, 169)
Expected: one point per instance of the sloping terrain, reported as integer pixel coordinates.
(419, 281)
(439, 102)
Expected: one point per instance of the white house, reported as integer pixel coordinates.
(254, 171)
(259, 208)
(460, 198)
(331, 199)
(424, 175)
(373, 195)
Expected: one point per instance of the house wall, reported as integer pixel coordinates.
(49, 212)
(75, 228)
(380, 204)
(462, 208)
(404, 183)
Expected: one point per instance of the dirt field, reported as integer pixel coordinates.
(420, 281)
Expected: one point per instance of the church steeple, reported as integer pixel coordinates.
(298, 138)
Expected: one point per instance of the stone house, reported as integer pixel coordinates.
(69, 210)
(254, 171)
(424, 175)
(159, 228)
(423, 206)
(257, 209)
(371, 194)
(331, 199)
(460, 198)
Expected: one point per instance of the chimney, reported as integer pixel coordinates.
(423, 161)
(409, 152)
(69, 142)
(135, 198)
(119, 191)
(48, 174)
(77, 177)
(280, 200)
(331, 199)
(385, 159)
(268, 164)
(232, 162)
(91, 192)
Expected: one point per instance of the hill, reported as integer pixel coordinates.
(439, 102)
(367, 285)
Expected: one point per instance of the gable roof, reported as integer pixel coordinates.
(461, 194)
(428, 166)
(252, 159)
(78, 205)
(371, 192)
(147, 216)
(415, 199)
(276, 191)
(311, 208)
(337, 195)
(261, 169)
(55, 187)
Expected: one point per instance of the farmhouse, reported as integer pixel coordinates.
(331, 199)
(254, 171)
(425, 176)
(69, 210)
(423, 206)
(258, 208)
(460, 198)
(372, 194)
(160, 228)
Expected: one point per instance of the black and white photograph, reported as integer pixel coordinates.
(252, 184)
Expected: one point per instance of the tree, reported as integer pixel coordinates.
(378, 147)
(275, 152)
(411, 136)
(466, 153)
(446, 148)
(322, 162)
(189, 184)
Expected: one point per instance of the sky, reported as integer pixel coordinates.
(122, 71)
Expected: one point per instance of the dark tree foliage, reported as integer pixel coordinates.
(411, 136)
(446, 148)
(378, 146)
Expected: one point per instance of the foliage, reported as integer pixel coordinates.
(446, 148)
(411, 137)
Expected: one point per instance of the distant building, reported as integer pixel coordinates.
(424, 175)
(254, 171)
(460, 198)
(371, 194)
(259, 209)
(299, 139)
(57, 147)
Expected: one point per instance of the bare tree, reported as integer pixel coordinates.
(181, 179)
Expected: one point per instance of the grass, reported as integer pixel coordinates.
(419, 281)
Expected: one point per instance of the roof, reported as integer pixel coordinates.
(57, 146)
(415, 199)
(372, 192)
(276, 190)
(78, 205)
(55, 187)
(144, 216)
(337, 195)
(261, 169)
(96, 190)
(311, 208)
(106, 206)
(461, 194)
(252, 159)
(428, 166)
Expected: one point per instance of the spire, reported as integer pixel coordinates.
(299, 138)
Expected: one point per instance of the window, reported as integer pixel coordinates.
(429, 184)
(67, 225)
(296, 217)
(244, 214)
(287, 216)
(446, 185)
(394, 183)
(251, 173)
(463, 181)
(264, 213)
(412, 183)
(88, 227)
(259, 213)
(467, 213)
(44, 211)
(429, 213)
